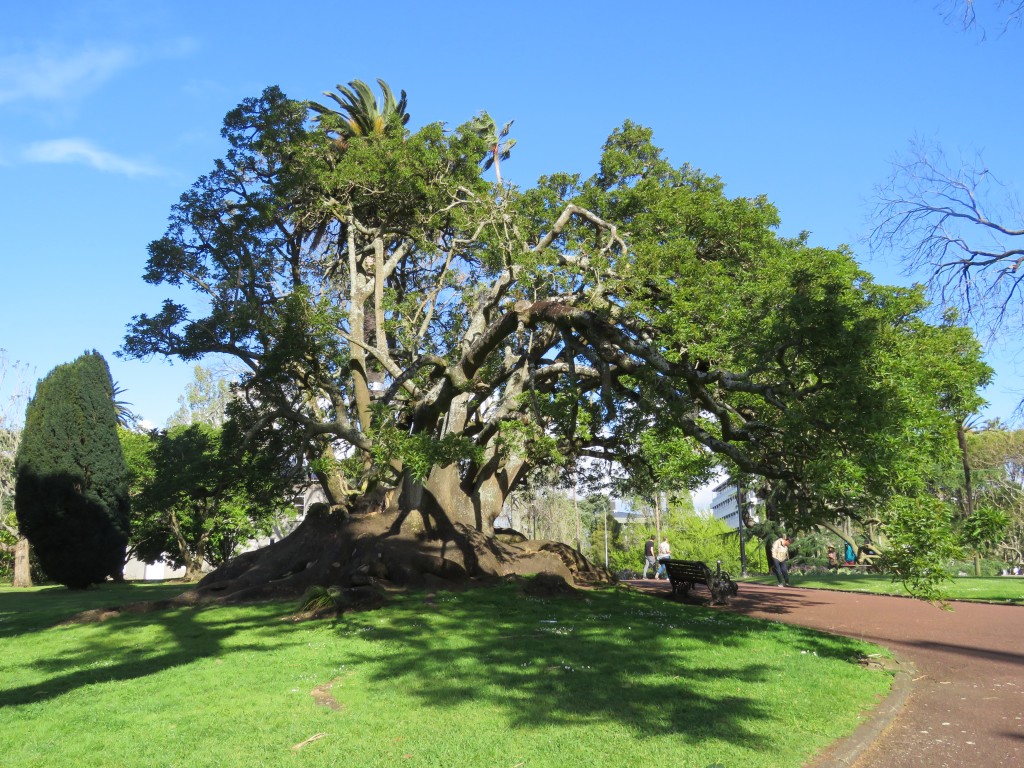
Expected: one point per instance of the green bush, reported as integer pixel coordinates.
(988, 567)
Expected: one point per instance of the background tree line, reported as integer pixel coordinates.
(90, 492)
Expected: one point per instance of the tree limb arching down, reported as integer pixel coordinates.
(421, 340)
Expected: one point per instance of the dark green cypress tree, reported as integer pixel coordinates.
(72, 483)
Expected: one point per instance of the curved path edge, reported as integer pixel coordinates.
(848, 750)
(963, 703)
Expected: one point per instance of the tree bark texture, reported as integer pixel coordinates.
(22, 566)
(376, 543)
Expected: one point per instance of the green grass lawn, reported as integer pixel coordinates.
(997, 589)
(487, 677)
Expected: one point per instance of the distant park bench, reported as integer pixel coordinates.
(683, 574)
(852, 567)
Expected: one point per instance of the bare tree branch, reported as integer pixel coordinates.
(959, 228)
(964, 13)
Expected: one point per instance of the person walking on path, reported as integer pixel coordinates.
(649, 559)
(780, 554)
(664, 555)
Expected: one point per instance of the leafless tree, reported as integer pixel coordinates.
(965, 13)
(959, 227)
(14, 389)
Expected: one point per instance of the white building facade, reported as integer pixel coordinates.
(725, 503)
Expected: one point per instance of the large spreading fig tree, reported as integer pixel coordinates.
(423, 338)
(72, 483)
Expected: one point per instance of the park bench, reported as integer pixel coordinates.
(857, 567)
(683, 574)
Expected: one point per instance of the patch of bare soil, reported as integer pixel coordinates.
(322, 696)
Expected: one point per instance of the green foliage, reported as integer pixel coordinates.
(696, 536)
(674, 459)
(14, 394)
(996, 455)
(498, 143)
(606, 538)
(392, 307)
(543, 510)
(205, 400)
(620, 559)
(691, 535)
(983, 529)
(196, 501)
(72, 482)
(420, 453)
(359, 114)
(921, 545)
(9, 439)
(319, 599)
(985, 568)
(702, 537)
(516, 437)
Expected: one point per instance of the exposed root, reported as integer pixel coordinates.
(358, 558)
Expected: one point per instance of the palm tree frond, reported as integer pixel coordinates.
(360, 113)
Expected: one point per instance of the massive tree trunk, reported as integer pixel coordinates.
(379, 541)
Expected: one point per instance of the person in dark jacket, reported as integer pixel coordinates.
(649, 560)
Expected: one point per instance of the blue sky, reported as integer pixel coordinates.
(109, 110)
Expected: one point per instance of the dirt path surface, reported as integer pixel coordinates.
(966, 689)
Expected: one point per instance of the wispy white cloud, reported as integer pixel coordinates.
(47, 76)
(80, 151)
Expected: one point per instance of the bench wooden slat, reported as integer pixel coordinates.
(683, 574)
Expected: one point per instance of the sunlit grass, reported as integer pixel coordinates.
(488, 677)
(996, 589)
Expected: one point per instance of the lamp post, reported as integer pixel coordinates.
(740, 504)
(606, 538)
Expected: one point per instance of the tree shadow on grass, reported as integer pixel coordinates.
(124, 649)
(32, 610)
(655, 667)
(658, 668)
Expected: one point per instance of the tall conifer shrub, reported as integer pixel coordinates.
(72, 482)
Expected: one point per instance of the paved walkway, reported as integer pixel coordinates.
(966, 681)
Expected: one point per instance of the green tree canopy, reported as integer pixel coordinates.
(195, 502)
(424, 339)
(205, 400)
(72, 485)
(997, 457)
